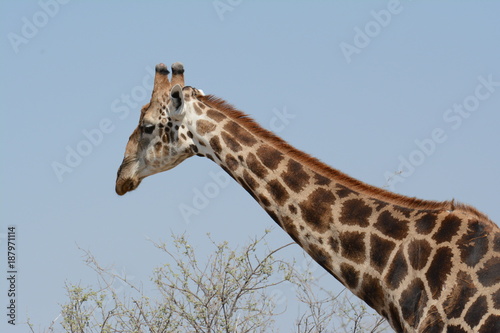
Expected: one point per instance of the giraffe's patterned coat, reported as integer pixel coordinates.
(425, 266)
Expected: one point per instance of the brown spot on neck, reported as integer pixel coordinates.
(381, 250)
(269, 156)
(216, 115)
(448, 228)
(355, 212)
(255, 166)
(295, 177)
(317, 209)
(197, 108)
(473, 244)
(462, 291)
(397, 270)
(438, 270)
(413, 302)
(476, 312)
(418, 253)
(215, 144)
(350, 275)
(240, 134)
(371, 292)
(277, 191)
(352, 244)
(425, 224)
(392, 227)
(203, 127)
(231, 142)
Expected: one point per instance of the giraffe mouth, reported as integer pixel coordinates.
(126, 185)
(126, 178)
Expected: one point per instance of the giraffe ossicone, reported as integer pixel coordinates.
(426, 266)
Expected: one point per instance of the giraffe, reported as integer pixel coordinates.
(426, 266)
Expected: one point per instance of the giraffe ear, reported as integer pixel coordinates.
(176, 106)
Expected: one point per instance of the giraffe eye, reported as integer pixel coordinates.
(148, 128)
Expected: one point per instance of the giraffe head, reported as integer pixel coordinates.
(158, 143)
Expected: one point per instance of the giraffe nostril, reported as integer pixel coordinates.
(129, 185)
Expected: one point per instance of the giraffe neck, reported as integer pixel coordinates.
(372, 241)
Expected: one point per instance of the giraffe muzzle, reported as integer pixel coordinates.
(126, 185)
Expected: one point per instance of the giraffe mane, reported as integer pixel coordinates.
(325, 170)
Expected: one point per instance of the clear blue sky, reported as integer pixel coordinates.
(369, 94)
